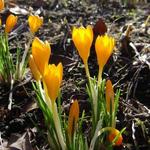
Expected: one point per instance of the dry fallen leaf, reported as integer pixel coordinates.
(18, 11)
(19, 142)
(31, 105)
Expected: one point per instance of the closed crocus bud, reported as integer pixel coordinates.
(41, 53)
(104, 46)
(112, 135)
(10, 23)
(1, 5)
(73, 118)
(52, 79)
(82, 38)
(109, 96)
(35, 22)
(34, 69)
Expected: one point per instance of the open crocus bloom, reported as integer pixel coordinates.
(41, 53)
(10, 23)
(52, 79)
(82, 38)
(35, 22)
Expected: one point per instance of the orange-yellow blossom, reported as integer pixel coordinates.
(82, 38)
(35, 22)
(1, 5)
(41, 53)
(104, 46)
(10, 23)
(73, 118)
(109, 96)
(52, 79)
(111, 136)
(34, 69)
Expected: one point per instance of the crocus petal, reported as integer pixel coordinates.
(10, 23)
(41, 53)
(34, 69)
(52, 79)
(35, 22)
(82, 38)
(1, 5)
(73, 118)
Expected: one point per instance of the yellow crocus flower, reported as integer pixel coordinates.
(1, 5)
(111, 136)
(109, 96)
(34, 69)
(10, 23)
(73, 118)
(35, 22)
(52, 79)
(41, 53)
(82, 38)
(104, 46)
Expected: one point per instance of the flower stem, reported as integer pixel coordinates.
(58, 126)
(100, 76)
(87, 70)
(27, 47)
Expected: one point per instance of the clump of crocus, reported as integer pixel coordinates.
(41, 53)
(35, 22)
(10, 23)
(73, 118)
(53, 78)
(113, 134)
(109, 96)
(61, 135)
(82, 38)
(104, 47)
(1, 5)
